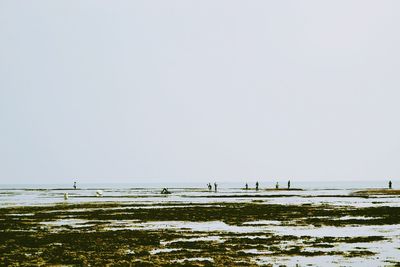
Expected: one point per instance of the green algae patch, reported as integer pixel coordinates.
(100, 234)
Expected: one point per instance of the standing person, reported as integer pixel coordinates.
(247, 186)
(288, 184)
(209, 187)
(390, 184)
(257, 185)
(215, 186)
(277, 185)
(74, 185)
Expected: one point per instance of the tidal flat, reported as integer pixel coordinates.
(231, 228)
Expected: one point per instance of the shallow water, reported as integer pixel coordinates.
(30, 196)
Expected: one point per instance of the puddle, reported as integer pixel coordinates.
(331, 231)
(74, 223)
(194, 239)
(210, 226)
(194, 259)
(163, 250)
(262, 222)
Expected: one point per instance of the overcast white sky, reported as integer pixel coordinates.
(134, 91)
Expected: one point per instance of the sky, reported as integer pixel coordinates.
(182, 91)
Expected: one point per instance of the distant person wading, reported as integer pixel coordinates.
(209, 186)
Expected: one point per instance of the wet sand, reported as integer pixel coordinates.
(227, 232)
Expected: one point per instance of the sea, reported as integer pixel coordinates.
(310, 192)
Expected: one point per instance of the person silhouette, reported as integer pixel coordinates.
(390, 184)
(215, 186)
(277, 185)
(247, 186)
(74, 185)
(257, 186)
(288, 184)
(165, 191)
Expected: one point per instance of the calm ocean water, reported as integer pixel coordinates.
(335, 193)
